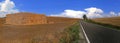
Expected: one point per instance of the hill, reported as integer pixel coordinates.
(110, 20)
(2, 21)
(40, 33)
(52, 19)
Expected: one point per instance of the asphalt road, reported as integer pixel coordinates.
(99, 34)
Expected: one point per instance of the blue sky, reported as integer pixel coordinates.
(57, 6)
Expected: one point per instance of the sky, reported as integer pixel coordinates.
(63, 8)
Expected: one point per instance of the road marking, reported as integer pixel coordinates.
(85, 34)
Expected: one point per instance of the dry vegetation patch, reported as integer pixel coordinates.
(41, 33)
(111, 20)
(32, 33)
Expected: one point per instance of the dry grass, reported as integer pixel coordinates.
(2, 21)
(61, 19)
(112, 20)
(43, 33)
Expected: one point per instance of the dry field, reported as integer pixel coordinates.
(43, 33)
(111, 20)
(51, 19)
(2, 21)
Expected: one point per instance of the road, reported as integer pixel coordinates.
(99, 34)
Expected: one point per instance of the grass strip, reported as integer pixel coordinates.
(71, 34)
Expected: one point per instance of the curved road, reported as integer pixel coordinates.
(100, 34)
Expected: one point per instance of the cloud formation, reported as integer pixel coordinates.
(7, 7)
(70, 13)
(113, 13)
(94, 12)
(118, 14)
(91, 12)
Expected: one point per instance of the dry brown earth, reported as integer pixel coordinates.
(42, 33)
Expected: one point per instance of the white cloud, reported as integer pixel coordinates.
(119, 14)
(113, 13)
(94, 12)
(90, 12)
(71, 13)
(7, 7)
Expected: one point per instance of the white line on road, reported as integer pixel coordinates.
(85, 34)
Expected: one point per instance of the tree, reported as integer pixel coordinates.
(85, 17)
